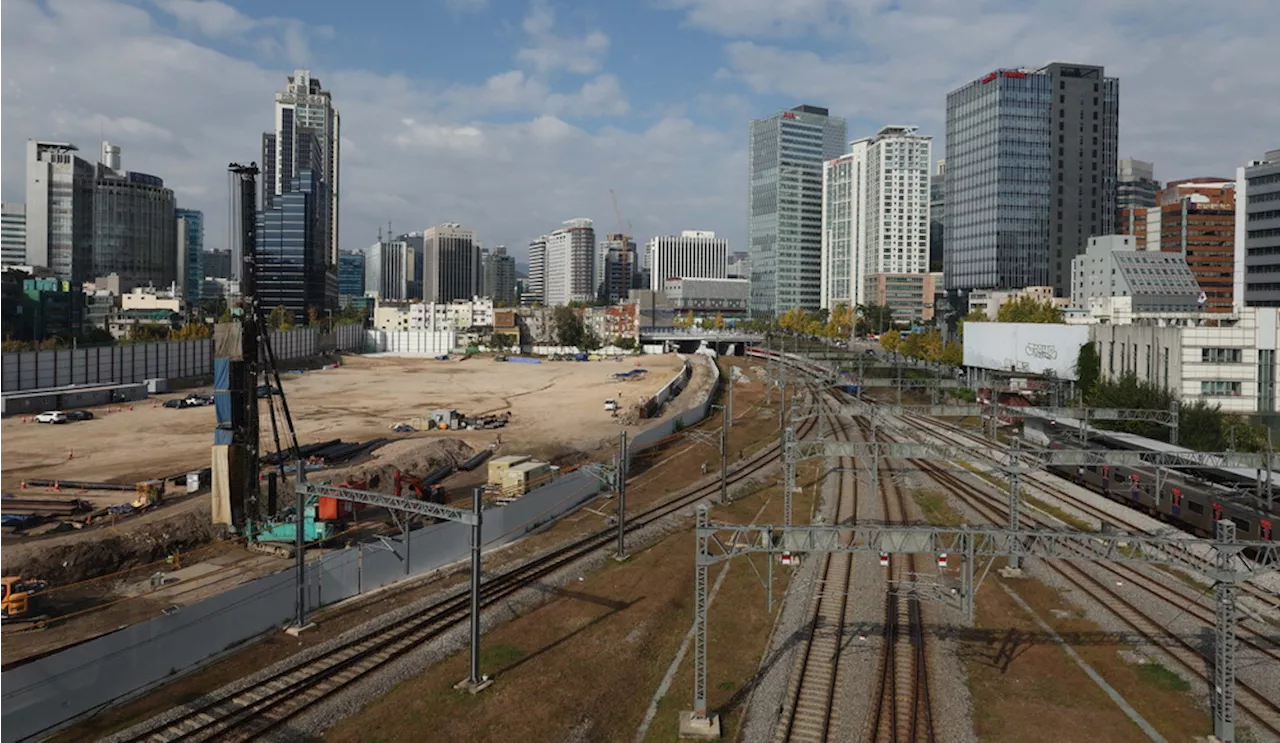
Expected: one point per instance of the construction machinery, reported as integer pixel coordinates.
(419, 487)
(19, 597)
(149, 493)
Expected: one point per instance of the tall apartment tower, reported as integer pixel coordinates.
(875, 213)
(1136, 184)
(785, 157)
(304, 106)
(1197, 218)
(937, 216)
(615, 267)
(1031, 175)
(570, 269)
(537, 283)
(59, 209)
(693, 254)
(450, 263)
(1257, 240)
(13, 230)
(292, 259)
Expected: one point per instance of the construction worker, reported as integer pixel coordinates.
(704, 468)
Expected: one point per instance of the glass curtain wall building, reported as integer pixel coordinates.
(785, 157)
(1030, 175)
(190, 252)
(291, 254)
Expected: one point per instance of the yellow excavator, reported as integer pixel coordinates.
(18, 599)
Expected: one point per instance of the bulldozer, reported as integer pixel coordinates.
(19, 597)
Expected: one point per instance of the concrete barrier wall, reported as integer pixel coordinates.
(138, 362)
(45, 693)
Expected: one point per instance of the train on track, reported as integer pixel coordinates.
(1191, 501)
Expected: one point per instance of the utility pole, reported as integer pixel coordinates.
(1223, 691)
(621, 474)
(729, 424)
(299, 553)
(724, 458)
(475, 683)
(789, 473)
(1015, 469)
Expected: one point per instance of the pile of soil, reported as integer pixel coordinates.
(418, 457)
(96, 555)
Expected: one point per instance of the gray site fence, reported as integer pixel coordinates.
(137, 362)
(49, 691)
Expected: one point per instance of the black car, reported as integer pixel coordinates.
(177, 402)
(266, 390)
(79, 415)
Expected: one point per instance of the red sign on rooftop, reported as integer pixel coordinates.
(788, 115)
(1014, 73)
(988, 78)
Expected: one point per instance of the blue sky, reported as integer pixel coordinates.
(512, 116)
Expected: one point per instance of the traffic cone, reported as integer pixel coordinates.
(71, 454)
(24, 484)
(57, 485)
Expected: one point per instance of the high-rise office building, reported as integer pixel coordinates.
(217, 264)
(350, 275)
(937, 216)
(1031, 175)
(135, 229)
(190, 253)
(1257, 238)
(450, 263)
(500, 277)
(59, 202)
(875, 213)
(292, 265)
(536, 284)
(739, 266)
(1136, 184)
(785, 157)
(305, 106)
(13, 234)
(693, 254)
(615, 267)
(569, 271)
(389, 269)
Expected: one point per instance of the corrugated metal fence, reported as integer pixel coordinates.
(23, 371)
(42, 694)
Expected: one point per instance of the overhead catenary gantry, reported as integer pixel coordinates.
(718, 542)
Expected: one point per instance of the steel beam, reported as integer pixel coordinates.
(422, 508)
(700, 617)
(1162, 417)
(1225, 559)
(789, 462)
(1223, 695)
(621, 474)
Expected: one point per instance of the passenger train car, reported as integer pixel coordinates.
(1192, 499)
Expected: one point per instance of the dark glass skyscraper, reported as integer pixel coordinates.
(785, 209)
(1030, 175)
(350, 275)
(291, 253)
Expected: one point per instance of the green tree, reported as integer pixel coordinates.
(280, 318)
(975, 315)
(1088, 369)
(875, 318)
(1029, 309)
(568, 326)
(952, 354)
(913, 346)
(626, 343)
(499, 342)
(891, 341)
(590, 342)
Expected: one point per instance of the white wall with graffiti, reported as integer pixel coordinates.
(1026, 348)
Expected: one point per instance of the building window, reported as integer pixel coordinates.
(1220, 355)
(1219, 388)
(1266, 380)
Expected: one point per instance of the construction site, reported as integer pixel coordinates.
(91, 504)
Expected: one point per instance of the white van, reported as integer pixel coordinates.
(610, 405)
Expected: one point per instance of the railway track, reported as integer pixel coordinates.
(269, 704)
(811, 711)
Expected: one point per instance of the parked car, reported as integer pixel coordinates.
(195, 401)
(177, 402)
(52, 416)
(266, 390)
(79, 415)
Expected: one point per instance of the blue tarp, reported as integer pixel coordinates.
(222, 391)
(523, 360)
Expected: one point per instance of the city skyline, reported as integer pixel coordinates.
(551, 81)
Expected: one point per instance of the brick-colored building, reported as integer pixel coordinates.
(1195, 217)
(911, 296)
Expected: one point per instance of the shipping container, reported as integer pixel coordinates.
(521, 478)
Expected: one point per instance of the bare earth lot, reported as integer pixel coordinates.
(552, 405)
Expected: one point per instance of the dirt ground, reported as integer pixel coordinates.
(673, 467)
(552, 404)
(557, 412)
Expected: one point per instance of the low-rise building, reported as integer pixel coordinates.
(910, 296)
(702, 296)
(460, 315)
(124, 322)
(1226, 359)
(990, 301)
(613, 323)
(150, 298)
(1113, 267)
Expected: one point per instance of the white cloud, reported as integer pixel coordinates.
(412, 154)
(551, 49)
(1185, 75)
(286, 39)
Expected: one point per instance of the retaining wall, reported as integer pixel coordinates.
(44, 693)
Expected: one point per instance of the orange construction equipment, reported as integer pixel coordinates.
(404, 479)
(18, 595)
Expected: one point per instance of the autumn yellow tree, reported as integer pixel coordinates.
(840, 322)
(952, 354)
(891, 341)
(719, 321)
(1029, 309)
(795, 319)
